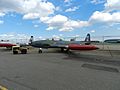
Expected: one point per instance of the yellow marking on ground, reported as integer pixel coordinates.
(3, 88)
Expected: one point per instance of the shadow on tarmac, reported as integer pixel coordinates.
(91, 58)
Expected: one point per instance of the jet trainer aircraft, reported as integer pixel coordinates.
(63, 45)
(6, 44)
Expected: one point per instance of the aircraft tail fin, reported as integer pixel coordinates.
(31, 40)
(87, 39)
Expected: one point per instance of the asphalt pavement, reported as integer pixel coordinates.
(59, 71)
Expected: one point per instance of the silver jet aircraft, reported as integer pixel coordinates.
(63, 45)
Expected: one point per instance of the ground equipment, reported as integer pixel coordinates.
(18, 49)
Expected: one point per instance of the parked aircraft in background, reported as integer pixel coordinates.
(6, 44)
(63, 45)
(112, 41)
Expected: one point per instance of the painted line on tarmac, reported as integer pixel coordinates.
(3, 88)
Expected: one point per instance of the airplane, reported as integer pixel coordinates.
(112, 41)
(6, 44)
(63, 45)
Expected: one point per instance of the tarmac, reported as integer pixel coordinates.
(53, 70)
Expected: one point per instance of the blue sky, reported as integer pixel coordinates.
(59, 18)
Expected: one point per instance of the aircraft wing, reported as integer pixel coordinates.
(76, 47)
(64, 44)
(59, 46)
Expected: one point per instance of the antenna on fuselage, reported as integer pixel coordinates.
(73, 39)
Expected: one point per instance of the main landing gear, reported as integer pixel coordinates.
(66, 50)
(40, 50)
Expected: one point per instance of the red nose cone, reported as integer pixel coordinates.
(82, 47)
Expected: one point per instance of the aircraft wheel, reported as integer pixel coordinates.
(67, 50)
(15, 52)
(24, 51)
(40, 51)
(9, 48)
(62, 49)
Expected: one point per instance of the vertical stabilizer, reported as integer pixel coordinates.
(87, 39)
(31, 39)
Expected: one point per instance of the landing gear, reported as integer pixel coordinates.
(65, 50)
(62, 49)
(40, 50)
(9, 48)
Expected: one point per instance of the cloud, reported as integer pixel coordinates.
(40, 38)
(57, 20)
(67, 1)
(31, 16)
(54, 22)
(44, 10)
(1, 22)
(15, 38)
(39, 7)
(50, 28)
(92, 31)
(36, 26)
(111, 5)
(56, 36)
(2, 14)
(58, 8)
(28, 8)
(63, 23)
(110, 15)
(72, 24)
(71, 9)
(97, 1)
(105, 17)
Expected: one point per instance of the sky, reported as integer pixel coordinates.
(58, 18)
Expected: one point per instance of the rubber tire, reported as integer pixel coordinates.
(15, 52)
(24, 51)
(40, 51)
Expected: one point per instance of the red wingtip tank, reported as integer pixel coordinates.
(82, 47)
